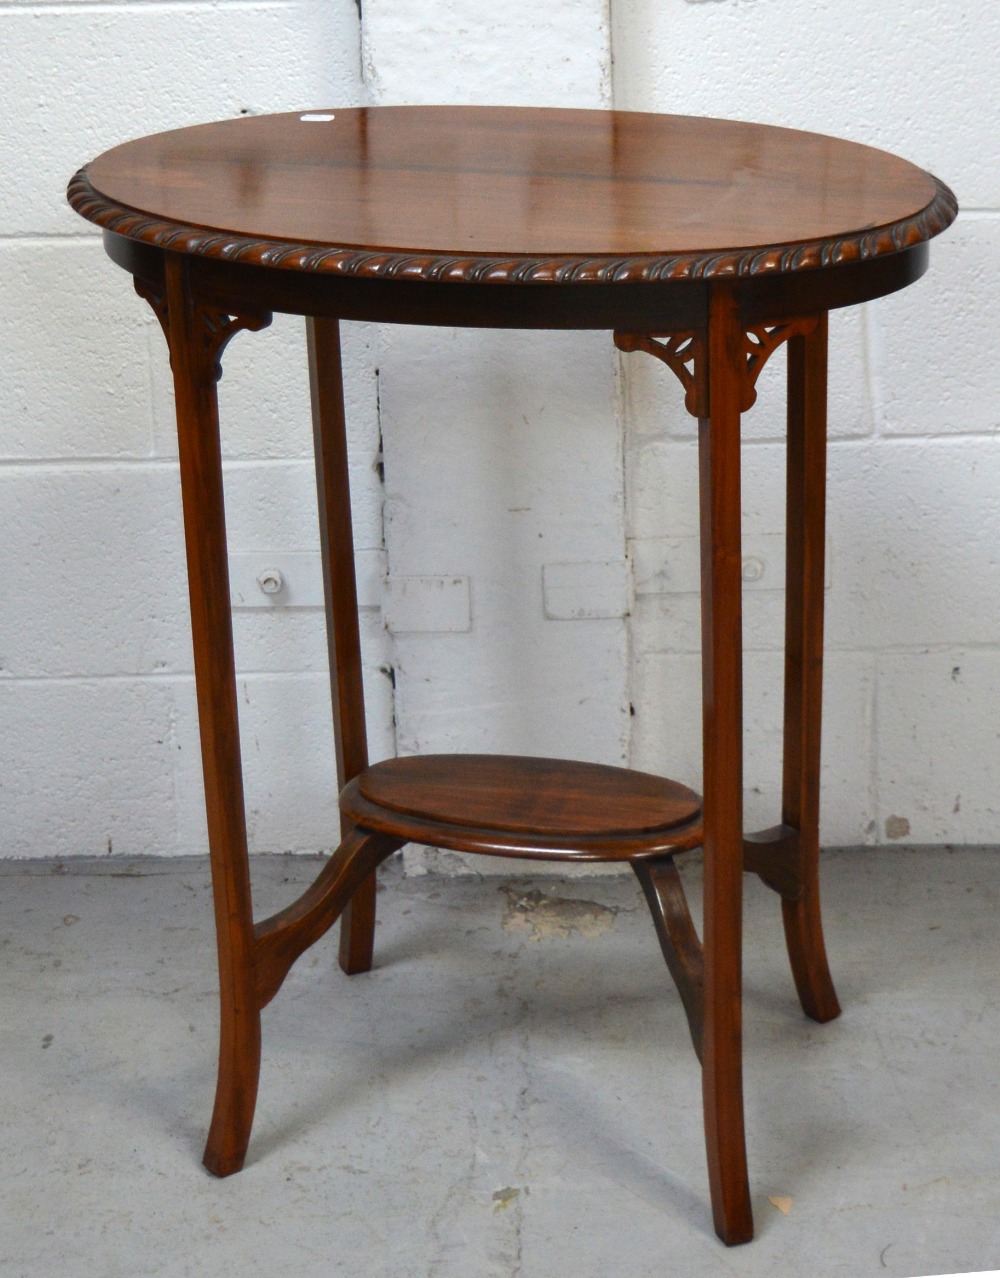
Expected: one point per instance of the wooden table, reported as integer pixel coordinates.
(705, 243)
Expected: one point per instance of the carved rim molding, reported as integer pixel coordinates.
(774, 259)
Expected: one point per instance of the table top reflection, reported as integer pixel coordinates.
(514, 195)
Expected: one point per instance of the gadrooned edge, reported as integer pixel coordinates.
(456, 269)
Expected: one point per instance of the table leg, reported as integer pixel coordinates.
(722, 652)
(196, 338)
(807, 354)
(357, 925)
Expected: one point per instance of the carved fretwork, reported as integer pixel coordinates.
(760, 343)
(157, 299)
(217, 327)
(220, 327)
(684, 354)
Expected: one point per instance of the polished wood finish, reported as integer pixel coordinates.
(709, 244)
(192, 331)
(336, 535)
(542, 809)
(683, 353)
(650, 307)
(513, 194)
(679, 941)
(804, 585)
(280, 939)
(722, 729)
(532, 796)
(773, 855)
(627, 845)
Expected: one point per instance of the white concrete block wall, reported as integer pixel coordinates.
(502, 450)
(515, 53)
(100, 742)
(506, 456)
(911, 749)
(506, 465)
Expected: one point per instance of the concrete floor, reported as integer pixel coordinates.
(511, 1092)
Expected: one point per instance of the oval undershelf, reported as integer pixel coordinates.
(516, 805)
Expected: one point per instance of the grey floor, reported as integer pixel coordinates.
(512, 1090)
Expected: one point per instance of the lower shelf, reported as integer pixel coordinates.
(514, 805)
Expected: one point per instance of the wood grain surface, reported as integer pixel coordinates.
(705, 242)
(509, 194)
(528, 795)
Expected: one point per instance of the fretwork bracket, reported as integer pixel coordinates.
(684, 353)
(216, 327)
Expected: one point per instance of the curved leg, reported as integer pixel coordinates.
(804, 663)
(277, 943)
(196, 335)
(281, 938)
(357, 927)
(722, 692)
(357, 930)
(678, 939)
(235, 1090)
(807, 953)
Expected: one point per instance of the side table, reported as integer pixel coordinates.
(707, 244)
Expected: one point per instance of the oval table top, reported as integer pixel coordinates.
(512, 195)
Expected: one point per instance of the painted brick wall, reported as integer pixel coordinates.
(97, 705)
(502, 450)
(912, 731)
(96, 701)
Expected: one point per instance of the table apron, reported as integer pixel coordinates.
(664, 307)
